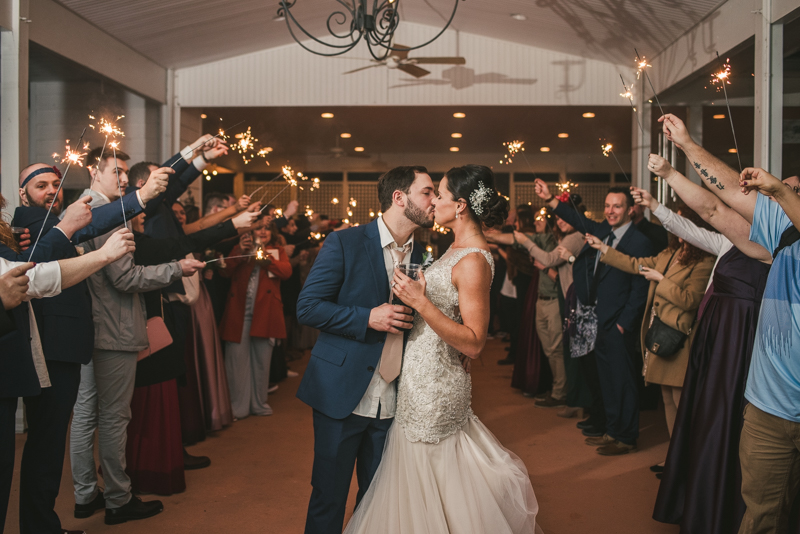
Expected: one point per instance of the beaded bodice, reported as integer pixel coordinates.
(434, 393)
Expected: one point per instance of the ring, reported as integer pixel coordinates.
(393, 283)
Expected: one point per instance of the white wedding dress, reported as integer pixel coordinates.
(442, 470)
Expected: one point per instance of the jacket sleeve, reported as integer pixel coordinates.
(52, 246)
(317, 306)
(578, 220)
(127, 277)
(281, 268)
(625, 263)
(688, 296)
(637, 298)
(108, 217)
(551, 258)
(682, 227)
(202, 239)
(179, 164)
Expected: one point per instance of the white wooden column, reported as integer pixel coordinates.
(768, 129)
(14, 101)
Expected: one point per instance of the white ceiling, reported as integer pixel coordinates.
(179, 33)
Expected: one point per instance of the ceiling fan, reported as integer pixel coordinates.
(399, 60)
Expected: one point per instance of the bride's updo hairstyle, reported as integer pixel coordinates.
(475, 184)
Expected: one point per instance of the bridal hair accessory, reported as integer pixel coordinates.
(479, 197)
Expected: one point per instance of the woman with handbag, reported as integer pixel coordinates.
(678, 278)
(253, 317)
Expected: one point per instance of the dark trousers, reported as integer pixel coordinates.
(48, 417)
(588, 372)
(522, 283)
(340, 445)
(618, 382)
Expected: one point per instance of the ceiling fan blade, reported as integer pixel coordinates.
(362, 68)
(417, 72)
(401, 52)
(439, 60)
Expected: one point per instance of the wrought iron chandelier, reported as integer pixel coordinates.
(356, 22)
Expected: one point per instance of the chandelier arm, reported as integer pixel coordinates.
(286, 7)
(345, 48)
(452, 16)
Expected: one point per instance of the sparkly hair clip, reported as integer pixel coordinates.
(479, 197)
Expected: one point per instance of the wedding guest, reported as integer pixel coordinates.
(678, 278)
(655, 233)
(253, 318)
(618, 299)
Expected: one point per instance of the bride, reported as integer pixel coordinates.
(442, 470)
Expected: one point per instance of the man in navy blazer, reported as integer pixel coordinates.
(619, 300)
(348, 298)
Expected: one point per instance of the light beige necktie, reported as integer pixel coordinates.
(392, 354)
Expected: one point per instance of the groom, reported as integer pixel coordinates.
(350, 381)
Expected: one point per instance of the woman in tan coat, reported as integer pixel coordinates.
(678, 278)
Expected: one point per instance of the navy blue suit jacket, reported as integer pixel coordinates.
(347, 280)
(620, 296)
(160, 221)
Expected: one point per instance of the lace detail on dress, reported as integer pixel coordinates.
(434, 393)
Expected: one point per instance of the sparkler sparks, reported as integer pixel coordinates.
(565, 187)
(334, 200)
(245, 145)
(607, 149)
(72, 156)
(723, 77)
(512, 147)
(641, 64)
(628, 94)
(260, 254)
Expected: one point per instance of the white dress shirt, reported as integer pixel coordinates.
(44, 281)
(379, 392)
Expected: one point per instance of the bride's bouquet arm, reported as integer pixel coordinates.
(472, 277)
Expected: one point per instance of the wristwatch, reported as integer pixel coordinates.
(571, 259)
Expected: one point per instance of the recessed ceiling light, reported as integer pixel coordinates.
(544, 149)
(518, 16)
(455, 135)
(327, 115)
(720, 116)
(563, 135)
(454, 149)
(459, 115)
(345, 136)
(359, 149)
(588, 115)
(203, 116)
(732, 150)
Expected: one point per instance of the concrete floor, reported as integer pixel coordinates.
(259, 477)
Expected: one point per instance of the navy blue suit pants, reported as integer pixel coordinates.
(339, 446)
(616, 368)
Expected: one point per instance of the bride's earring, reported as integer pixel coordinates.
(456, 214)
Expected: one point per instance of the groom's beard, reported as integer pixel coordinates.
(418, 216)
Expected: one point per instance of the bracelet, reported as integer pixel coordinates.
(203, 155)
(550, 199)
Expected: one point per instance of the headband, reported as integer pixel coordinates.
(37, 172)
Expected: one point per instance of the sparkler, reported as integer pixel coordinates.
(724, 79)
(55, 198)
(245, 144)
(72, 156)
(108, 129)
(513, 147)
(628, 95)
(608, 149)
(231, 257)
(288, 175)
(641, 65)
(220, 135)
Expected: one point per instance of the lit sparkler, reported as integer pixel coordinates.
(609, 149)
(246, 145)
(230, 258)
(260, 254)
(353, 202)
(628, 94)
(512, 147)
(641, 66)
(565, 187)
(309, 211)
(288, 175)
(72, 156)
(724, 76)
(334, 200)
(220, 134)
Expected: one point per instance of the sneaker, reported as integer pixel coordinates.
(134, 509)
(550, 402)
(82, 511)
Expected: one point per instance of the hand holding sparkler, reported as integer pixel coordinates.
(596, 243)
(76, 216)
(543, 191)
(643, 198)
(564, 253)
(220, 148)
(291, 209)
(120, 243)
(659, 166)
(676, 131)
(245, 219)
(14, 286)
(243, 203)
(191, 266)
(756, 179)
(156, 184)
(246, 243)
(203, 143)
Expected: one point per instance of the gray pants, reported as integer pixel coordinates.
(247, 365)
(548, 328)
(104, 403)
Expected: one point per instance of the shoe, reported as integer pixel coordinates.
(82, 511)
(615, 449)
(599, 441)
(195, 462)
(569, 412)
(273, 389)
(505, 361)
(586, 423)
(550, 402)
(65, 531)
(593, 432)
(134, 509)
(657, 468)
(292, 374)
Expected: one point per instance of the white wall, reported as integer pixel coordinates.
(497, 73)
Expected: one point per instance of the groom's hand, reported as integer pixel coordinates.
(391, 318)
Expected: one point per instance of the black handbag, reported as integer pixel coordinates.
(663, 340)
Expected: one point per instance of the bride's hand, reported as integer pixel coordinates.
(411, 292)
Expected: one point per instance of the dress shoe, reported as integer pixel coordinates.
(195, 462)
(82, 511)
(134, 509)
(586, 423)
(615, 449)
(600, 441)
(658, 468)
(569, 412)
(593, 432)
(505, 361)
(550, 402)
(65, 531)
